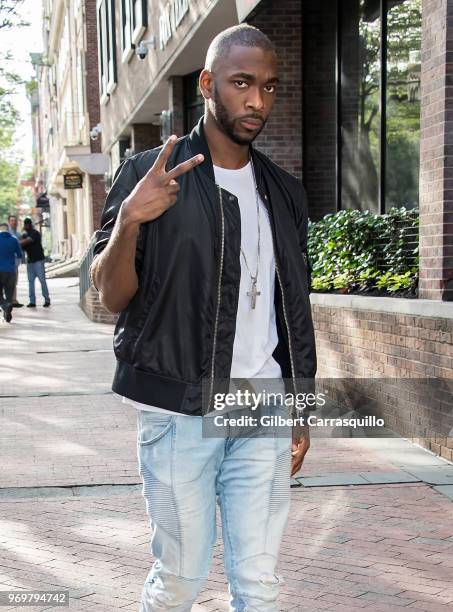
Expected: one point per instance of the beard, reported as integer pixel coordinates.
(227, 124)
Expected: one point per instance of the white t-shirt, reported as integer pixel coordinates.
(256, 332)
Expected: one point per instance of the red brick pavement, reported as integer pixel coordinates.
(370, 547)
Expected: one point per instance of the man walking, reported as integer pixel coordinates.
(9, 251)
(202, 251)
(31, 243)
(12, 228)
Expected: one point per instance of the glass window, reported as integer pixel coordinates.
(379, 103)
(126, 30)
(139, 14)
(360, 105)
(193, 101)
(403, 104)
(107, 47)
(134, 21)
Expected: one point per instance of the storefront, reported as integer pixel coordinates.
(361, 96)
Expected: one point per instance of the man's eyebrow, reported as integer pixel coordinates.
(251, 77)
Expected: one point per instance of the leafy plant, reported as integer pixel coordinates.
(360, 251)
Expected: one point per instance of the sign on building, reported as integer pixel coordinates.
(73, 180)
(171, 16)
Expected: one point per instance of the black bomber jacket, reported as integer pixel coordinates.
(174, 340)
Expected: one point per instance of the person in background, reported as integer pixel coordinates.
(31, 243)
(12, 228)
(9, 251)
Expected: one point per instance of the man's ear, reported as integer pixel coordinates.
(206, 83)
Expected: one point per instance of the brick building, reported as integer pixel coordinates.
(166, 79)
(143, 99)
(70, 164)
(362, 115)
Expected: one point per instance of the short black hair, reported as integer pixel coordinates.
(28, 221)
(243, 35)
(4, 225)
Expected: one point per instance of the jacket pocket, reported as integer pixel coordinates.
(138, 312)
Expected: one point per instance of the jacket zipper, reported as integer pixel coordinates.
(218, 296)
(283, 299)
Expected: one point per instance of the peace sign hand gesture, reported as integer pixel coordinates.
(158, 189)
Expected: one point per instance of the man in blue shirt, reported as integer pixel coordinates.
(12, 228)
(9, 250)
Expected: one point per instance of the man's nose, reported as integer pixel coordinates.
(255, 99)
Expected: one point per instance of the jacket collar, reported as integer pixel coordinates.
(199, 144)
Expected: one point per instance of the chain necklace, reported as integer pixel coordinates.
(253, 293)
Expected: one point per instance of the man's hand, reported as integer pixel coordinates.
(299, 447)
(25, 240)
(158, 189)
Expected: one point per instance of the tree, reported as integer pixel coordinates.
(9, 118)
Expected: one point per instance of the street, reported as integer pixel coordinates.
(370, 527)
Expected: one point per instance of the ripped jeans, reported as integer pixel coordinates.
(185, 473)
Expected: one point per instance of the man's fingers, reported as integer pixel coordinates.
(173, 188)
(162, 158)
(184, 167)
(173, 185)
(295, 467)
(299, 448)
(297, 459)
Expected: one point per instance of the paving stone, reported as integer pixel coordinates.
(446, 490)
(388, 477)
(374, 547)
(346, 478)
(440, 475)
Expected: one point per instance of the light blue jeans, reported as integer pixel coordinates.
(37, 269)
(184, 474)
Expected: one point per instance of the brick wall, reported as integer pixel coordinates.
(281, 139)
(436, 152)
(145, 136)
(91, 68)
(356, 343)
(94, 310)
(98, 196)
(93, 105)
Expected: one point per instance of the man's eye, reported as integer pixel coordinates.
(272, 87)
(241, 82)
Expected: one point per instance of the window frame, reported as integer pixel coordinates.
(138, 26)
(105, 13)
(127, 46)
(383, 91)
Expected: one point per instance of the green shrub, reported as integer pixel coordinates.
(355, 251)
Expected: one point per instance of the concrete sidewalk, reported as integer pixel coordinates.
(72, 514)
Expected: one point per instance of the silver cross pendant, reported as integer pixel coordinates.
(253, 293)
